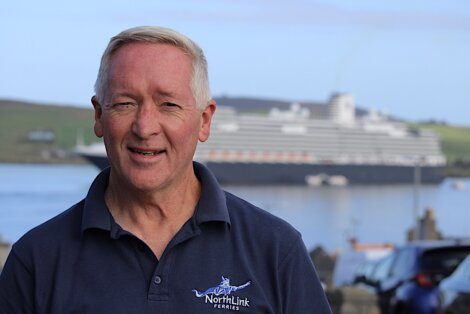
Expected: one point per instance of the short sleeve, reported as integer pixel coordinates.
(301, 289)
(16, 287)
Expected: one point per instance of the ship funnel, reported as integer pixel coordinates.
(341, 108)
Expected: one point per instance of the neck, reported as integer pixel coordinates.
(169, 206)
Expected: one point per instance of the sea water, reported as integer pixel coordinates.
(326, 216)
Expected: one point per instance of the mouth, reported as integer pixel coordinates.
(145, 152)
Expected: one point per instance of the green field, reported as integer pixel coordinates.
(17, 119)
(455, 140)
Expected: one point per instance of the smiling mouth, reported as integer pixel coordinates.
(146, 152)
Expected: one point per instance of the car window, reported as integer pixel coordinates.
(382, 270)
(443, 261)
(403, 263)
(369, 268)
(365, 272)
(463, 271)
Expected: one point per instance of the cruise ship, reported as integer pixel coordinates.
(295, 147)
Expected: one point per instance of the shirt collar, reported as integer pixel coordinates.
(95, 211)
(211, 206)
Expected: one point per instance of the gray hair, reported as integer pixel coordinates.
(159, 35)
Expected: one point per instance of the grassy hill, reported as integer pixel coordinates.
(455, 145)
(455, 140)
(18, 119)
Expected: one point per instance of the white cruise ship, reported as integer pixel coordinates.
(294, 147)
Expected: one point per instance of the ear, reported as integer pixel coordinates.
(206, 120)
(98, 128)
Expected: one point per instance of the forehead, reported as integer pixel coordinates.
(155, 64)
(148, 53)
(136, 46)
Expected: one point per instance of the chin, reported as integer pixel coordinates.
(148, 182)
(143, 179)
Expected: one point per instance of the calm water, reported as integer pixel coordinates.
(327, 216)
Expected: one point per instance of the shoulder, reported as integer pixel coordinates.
(243, 211)
(51, 235)
(257, 224)
(69, 221)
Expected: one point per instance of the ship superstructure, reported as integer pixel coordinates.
(292, 147)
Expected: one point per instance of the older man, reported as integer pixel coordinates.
(156, 233)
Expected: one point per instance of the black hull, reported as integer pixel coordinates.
(98, 161)
(244, 173)
(270, 174)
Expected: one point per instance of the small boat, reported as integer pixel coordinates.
(458, 185)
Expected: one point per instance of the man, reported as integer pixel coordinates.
(156, 233)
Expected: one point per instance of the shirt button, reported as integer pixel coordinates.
(157, 280)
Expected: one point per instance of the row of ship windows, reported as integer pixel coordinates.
(305, 157)
(314, 127)
(324, 135)
(335, 151)
(326, 144)
(286, 142)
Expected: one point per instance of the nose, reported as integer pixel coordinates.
(147, 121)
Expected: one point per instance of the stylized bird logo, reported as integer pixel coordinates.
(223, 288)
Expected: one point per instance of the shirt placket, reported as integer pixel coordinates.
(159, 285)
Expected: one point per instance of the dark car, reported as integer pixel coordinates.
(407, 280)
(454, 291)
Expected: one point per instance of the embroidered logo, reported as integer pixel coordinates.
(220, 297)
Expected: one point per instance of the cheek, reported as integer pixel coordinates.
(114, 130)
(183, 134)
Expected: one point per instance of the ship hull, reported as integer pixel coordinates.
(100, 162)
(277, 173)
(296, 174)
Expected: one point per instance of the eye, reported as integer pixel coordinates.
(170, 104)
(122, 105)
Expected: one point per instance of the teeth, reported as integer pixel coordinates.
(143, 152)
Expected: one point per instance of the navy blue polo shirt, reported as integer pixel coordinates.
(229, 257)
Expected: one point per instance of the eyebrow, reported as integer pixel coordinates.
(124, 94)
(113, 96)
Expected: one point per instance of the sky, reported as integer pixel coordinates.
(409, 58)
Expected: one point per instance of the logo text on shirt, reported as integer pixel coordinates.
(219, 296)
